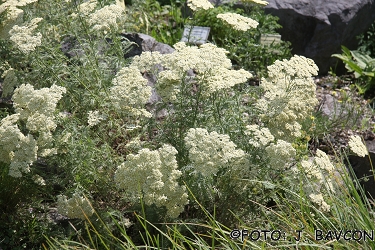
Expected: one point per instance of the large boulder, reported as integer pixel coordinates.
(318, 28)
(143, 42)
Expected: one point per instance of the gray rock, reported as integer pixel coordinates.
(143, 42)
(341, 113)
(330, 106)
(318, 28)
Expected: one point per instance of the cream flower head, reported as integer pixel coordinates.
(237, 21)
(195, 5)
(261, 2)
(356, 146)
(23, 36)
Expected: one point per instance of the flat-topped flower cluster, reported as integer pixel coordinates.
(289, 96)
(153, 176)
(36, 109)
(209, 152)
(24, 38)
(195, 5)
(14, 15)
(110, 17)
(211, 66)
(238, 22)
(356, 146)
(76, 207)
(130, 92)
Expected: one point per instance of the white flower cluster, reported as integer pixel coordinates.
(222, 78)
(289, 96)
(16, 148)
(130, 92)
(168, 85)
(76, 207)
(35, 108)
(237, 21)
(356, 146)
(148, 61)
(261, 137)
(209, 152)
(320, 168)
(14, 15)
(94, 118)
(321, 163)
(155, 175)
(203, 59)
(135, 144)
(319, 200)
(10, 81)
(87, 7)
(210, 63)
(280, 153)
(106, 18)
(23, 36)
(261, 2)
(39, 180)
(195, 5)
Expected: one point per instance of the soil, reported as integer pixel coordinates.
(340, 101)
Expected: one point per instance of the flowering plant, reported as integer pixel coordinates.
(213, 145)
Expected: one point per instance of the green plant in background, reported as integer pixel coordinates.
(163, 22)
(366, 41)
(363, 67)
(245, 47)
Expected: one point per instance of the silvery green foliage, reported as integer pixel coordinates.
(153, 176)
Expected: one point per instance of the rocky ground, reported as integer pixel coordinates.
(347, 111)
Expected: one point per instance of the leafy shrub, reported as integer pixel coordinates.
(366, 41)
(245, 48)
(163, 22)
(363, 67)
